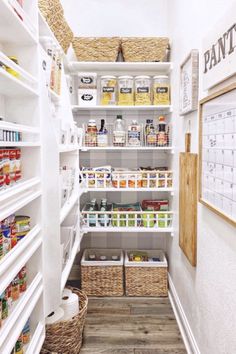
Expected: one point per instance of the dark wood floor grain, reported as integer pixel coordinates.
(131, 326)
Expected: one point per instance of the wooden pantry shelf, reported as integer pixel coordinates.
(121, 67)
(17, 31)
(163, 108)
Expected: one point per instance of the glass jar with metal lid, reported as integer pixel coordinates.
(125, 90)
(142, 90)
(108, 90)
(161, 90)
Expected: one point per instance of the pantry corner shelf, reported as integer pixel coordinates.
(11, 86)
(69, 264)
(165, 108)
(20, 313)
(121, 67)
(17, 31)
(68, 206)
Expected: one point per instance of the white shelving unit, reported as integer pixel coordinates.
(21, 110)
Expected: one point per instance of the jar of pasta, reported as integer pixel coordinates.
(125, 91)
(108, 90)
(142, 90)
(161, 90)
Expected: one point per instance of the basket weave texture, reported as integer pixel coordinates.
(102, 280)
(141, 49)
(50, 9)
(96, 48)
(141, 281)
(65, 337)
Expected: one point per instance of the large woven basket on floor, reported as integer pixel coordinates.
(102, 278)
(65, 337)
(150, 49)
(145, 278)
(96, 48)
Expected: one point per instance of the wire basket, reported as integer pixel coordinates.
(96, 48)
(145, 49)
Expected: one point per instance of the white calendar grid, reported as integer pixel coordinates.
(219, 160)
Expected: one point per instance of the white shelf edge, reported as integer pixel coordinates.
(86, 190)
(11, 257)
(17, 204)
(13, 17)
(36, 342)
(25, 313)
(18, 127)
(68, 206)
(25, 88)
(127, 229)
(69, 264)
(128, 148)
(68, 148)
(20, 310)
(19, 144)
(168, 108)
(20, 186)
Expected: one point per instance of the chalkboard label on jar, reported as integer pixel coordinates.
(126, 90)
(108, 89)
(86, 80)
(162, 89)
(143, 90)
(87, 97)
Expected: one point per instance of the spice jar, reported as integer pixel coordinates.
(142, 90)
(125, 91)
(108, 90)
(91, 133)
(161, 90)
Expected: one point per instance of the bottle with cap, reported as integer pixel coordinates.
(162, 136)
(150, 133)
(119, 134)
(102, 135)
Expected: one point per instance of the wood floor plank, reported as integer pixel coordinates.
(135, 319)
(160, 351)
(106, 351)
(151, 310)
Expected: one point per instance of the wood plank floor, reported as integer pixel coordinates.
(131, 326)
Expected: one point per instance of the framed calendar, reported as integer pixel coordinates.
(217, 153)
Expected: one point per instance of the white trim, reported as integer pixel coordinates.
(184, 326)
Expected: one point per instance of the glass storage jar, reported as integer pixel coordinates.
(108, 90)
(125, 91)
(142, 90)
(161, 90)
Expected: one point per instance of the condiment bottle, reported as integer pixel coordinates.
(102, 136)
(92, 217)
(150, 131)
(162, 134)
(119, 135)
(134, 134)
(91, 133)
(103, 218)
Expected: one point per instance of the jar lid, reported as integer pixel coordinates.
(125, 77)
(108, 77)
(92, 121)
(142, 77)
(161, 77)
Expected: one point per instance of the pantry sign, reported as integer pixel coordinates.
(219, 51)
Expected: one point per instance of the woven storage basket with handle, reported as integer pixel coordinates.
(65, 337)
(96, 48)
(146, 278)
(150, 49)
(102, 278)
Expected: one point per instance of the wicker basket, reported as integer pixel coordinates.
(51, 10)
(65, 337)
(102, 278)
(96, 48)
(146, 278)
(63, 33)
(149, 49)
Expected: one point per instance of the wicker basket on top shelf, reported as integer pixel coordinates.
(63, 33)
(145, 49)
(96, 48)
(51, 10)
(65, 337)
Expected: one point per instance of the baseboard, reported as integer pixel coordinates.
(185, 329)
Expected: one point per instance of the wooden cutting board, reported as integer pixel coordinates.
(188, 202)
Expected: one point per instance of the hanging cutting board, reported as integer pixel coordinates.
(188, 202)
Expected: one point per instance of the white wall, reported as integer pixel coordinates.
(117, 17)
(207, 293)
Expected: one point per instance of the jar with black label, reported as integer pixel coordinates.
(108, 90)
(142, 90)
(125, 91)
(161, 90)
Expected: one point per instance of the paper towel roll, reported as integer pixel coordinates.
(66, 292)
(55, 316)
(70, 305)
